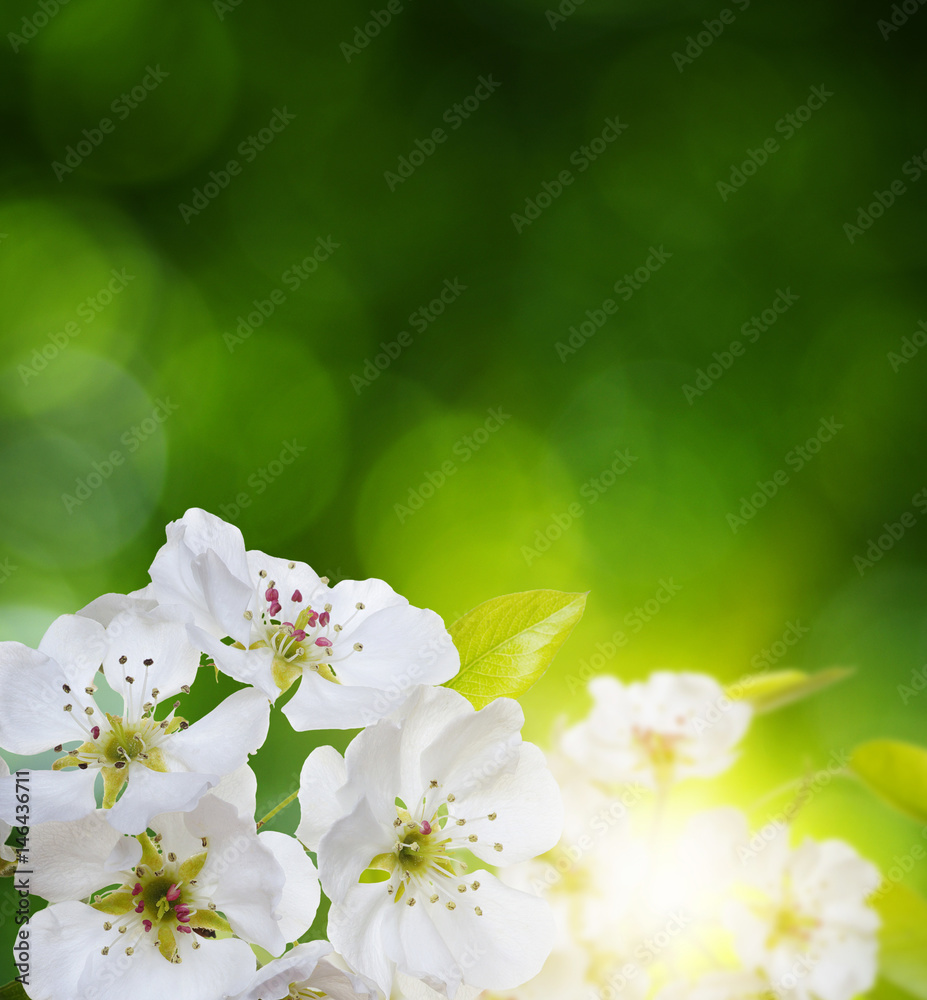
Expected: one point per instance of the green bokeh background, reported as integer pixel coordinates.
(154, 371)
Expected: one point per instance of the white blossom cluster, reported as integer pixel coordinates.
(142, 835)
(649, 903)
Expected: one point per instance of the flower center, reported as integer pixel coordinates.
(310, 640)
(303, 991)
(420, 862)
(117, 741)
(158, 900)
(661, 749)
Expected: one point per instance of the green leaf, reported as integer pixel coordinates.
(507, 643)
(903, 939)
(767, 692)
(896, 772)
(13, 991)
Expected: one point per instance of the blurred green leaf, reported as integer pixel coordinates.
(903, 939)
(507, 643)
(13, 991)
(896, 772)
(770, 691)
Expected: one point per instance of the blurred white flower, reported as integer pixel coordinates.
(655, 732)
(803, 920)
(412, 793)
(358, 647)
(719, 986)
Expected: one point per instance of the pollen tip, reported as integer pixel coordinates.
(66, 688)
(451, 905)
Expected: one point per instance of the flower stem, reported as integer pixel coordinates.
(277, 808)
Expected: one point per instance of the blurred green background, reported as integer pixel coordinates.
(226, 231)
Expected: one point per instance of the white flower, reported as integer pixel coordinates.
(654, 732)
(202, 873)
(158, 765)
(312, 971)
(804, 921)
(308, 972)
(412, 793)
(358, 646)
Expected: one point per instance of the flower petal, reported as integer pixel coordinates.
(249, 666)
(526, 807)
(137, 637)
(400, 641)
(506, 945)
(309, 965)
(248, 881)
(240, 789)
(32, 715)
(349, 847)
(77, 645)
(72, 860)
(59, 796)
(301, 891)
(221, 741)
(322, 777)
(148, 793)
(104, 609)
(180, 570)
